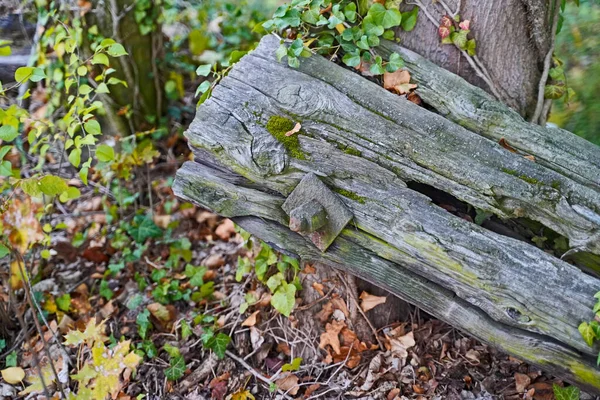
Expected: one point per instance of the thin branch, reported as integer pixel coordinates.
(547, 62)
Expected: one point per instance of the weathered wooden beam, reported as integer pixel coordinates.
(365, 144)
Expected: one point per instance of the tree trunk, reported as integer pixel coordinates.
(513, 38)
(389, 160)
(144, 92)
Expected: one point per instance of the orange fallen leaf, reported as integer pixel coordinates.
(319, 288)
(370, 301)
(400, 345)
(330, 336)
(398, 81)
(225, 229)
(521, 382)
(251, 320)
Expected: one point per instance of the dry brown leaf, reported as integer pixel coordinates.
(251, 320)
(319, 288)
(543, 391)
(162, 221)
(295, 129)
(530, 157)
(370, 301)
(309, 269)
(311, 389)
(521, 382)
(502, 142)
(214, 261)
(288, 383)
(400, 345)
(330, 336)
(284, 348)
(398, 81)
(325, 312)
(340, 304)
(473, 355)
(225, 230)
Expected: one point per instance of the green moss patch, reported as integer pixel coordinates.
(350, 195)
(278, 127)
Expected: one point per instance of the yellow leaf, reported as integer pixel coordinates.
(241, 395)
(13, 375)
(91, 334)
(17, 270)
(340, 28)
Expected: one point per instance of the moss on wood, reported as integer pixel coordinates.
(278, 126)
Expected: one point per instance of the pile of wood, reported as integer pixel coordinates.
(413, 180)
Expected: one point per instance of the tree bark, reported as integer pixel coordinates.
(513, 38)
(373, 148)
(144, 91)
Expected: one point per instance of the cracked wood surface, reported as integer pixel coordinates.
(366, 143)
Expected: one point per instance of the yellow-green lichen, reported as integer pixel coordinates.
(278, 127)
(352, 152)
(525, 178)
(350, 195)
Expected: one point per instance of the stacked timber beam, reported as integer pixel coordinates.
(372, 148)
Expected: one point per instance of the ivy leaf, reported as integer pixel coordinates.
(568, 393)
(284, 298)
(105, 153)
(471, 47)
(386, 18)
(409, 19)
(395, 62)
(218, 344)
(176, 368)
(311, 16)
(274, 281)
(352, 59)
(371, 28)
(350, 12)
(554, 91)
(8, 133)
(587, 333)
(459, 39)
(143, 229)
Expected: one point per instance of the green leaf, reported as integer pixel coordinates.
(5, 51)
(471, 47)
(8, 133)
(459, 39)
(281, 52)
(274, 281)
(554, 91)
(11, 359)
(92, 126)
(595, 328)
(102, 88)
(587, 333)
(294, 366)
(351, 59)
(186, 330)
(409, 19)
(100, 58)
(176, 368)
(350, 12)
(203, 70)
(143, 229)
(64, 302)
(395, 62)
(218, 344)
(85, 89)
(4, 251)
(284, 299)
(116, 50)
(105, 153)
(23, 73)
(105, 291)
(75, 157)
(52, 185)
(204, 86)
(567, 393)
(386, 18)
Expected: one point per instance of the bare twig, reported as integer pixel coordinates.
(547, 62)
